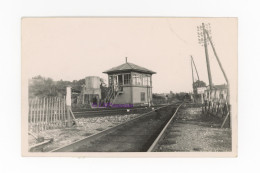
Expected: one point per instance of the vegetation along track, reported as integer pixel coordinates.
(136, 135)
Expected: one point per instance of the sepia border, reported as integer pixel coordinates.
(24, 123)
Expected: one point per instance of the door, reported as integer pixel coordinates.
(120, 80)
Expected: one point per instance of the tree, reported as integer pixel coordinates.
(46, 87)
(41, 87)
(198, 84)
(77, 85)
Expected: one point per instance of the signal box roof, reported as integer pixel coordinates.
(127, 67)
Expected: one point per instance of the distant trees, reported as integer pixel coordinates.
(46, 87)
(158, 96)
(182, 95)
(78, 84)
(172, 97)
(40, 87)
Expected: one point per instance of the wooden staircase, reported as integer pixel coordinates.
(112, 94)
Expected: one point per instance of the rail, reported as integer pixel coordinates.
(153, 146)
(71, 147)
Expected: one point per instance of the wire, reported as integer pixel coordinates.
(171, 29)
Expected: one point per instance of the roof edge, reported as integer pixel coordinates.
(129, 70)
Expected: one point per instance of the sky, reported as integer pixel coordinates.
(74, 48)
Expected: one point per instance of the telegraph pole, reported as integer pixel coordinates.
(207, 56)
(220, 65)
(192, 74)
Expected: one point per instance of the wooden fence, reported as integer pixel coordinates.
(216, 102)
(47, 113)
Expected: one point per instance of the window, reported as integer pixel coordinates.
(137, 79)
(127, 79)
(142, 96)
(110, 80)
(149, 81)
(145, 80)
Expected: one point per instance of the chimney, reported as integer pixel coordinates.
(126, 59)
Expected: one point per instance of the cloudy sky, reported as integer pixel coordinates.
(73, 48)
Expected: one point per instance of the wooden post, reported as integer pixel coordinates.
(56, 112)
(47, 113)
(37, 115)
(225, 120)
(30, 112)
(207, 56)
(64, 110)
(131, 84)
(68, 105)
(40, 115)
(51, 113)
(59, 112)
(43, 114)
(30, 115)
(34, 113)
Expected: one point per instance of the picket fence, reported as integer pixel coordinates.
(47, 113)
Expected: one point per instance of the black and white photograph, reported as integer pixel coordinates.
(143, 86)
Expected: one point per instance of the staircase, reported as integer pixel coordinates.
(112, 94)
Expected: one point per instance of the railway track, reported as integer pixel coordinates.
(155, 144)
(110, 111)
(97, 113)
(140, 134)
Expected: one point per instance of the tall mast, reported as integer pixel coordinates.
(207, 56)
(195, 68)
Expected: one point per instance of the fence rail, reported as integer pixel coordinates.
(47, 113)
